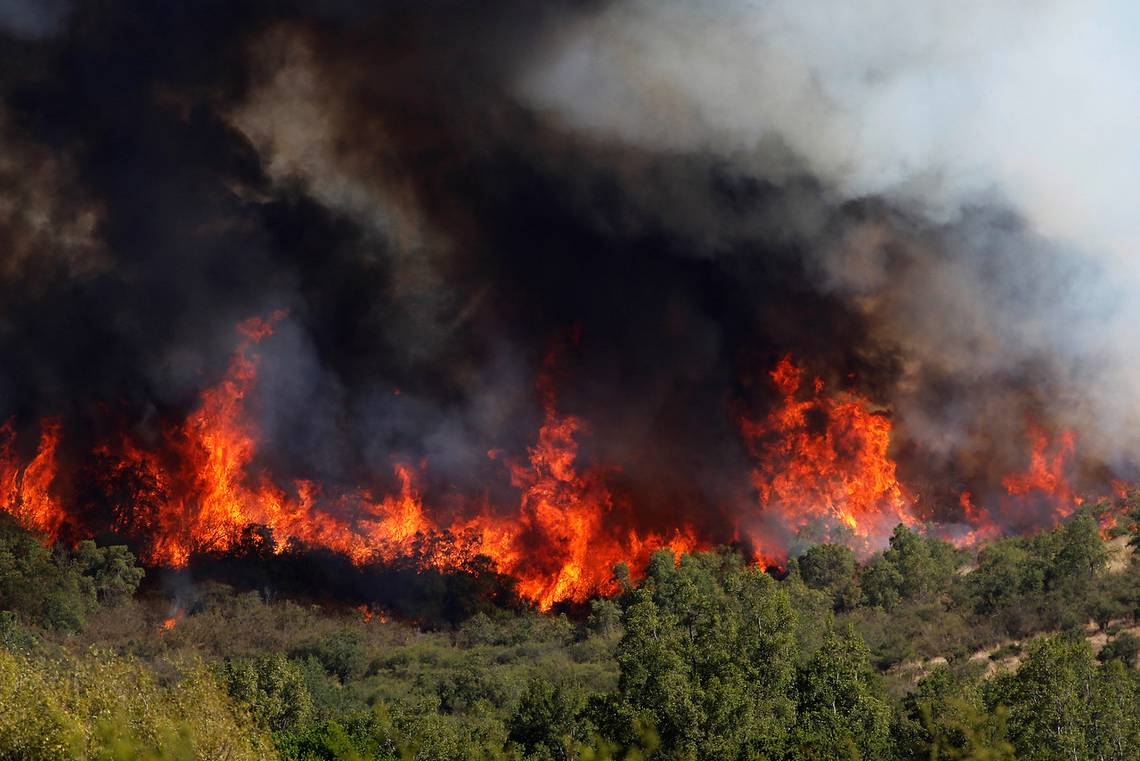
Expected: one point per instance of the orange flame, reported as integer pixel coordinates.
(825, 457)
(816, 456)
(25, 492)
(562, 544)
(559, 544)
(1046, 472)
(1043, 483)
(214, 496)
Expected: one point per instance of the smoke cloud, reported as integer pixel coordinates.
(929, 205)
(995, 137)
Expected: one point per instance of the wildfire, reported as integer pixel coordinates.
(818, 456)
(214, 496)
(1045, 475)
(171, 621)
(561, 545)
(25, 492)
(559, 542)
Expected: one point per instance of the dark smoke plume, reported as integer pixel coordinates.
(924, 206)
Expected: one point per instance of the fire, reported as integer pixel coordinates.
(818, 456)
(560, 542)
(214, 496)
(26, 492)
(172, 620)
(978, 517)
(1041, 487)
(563, 542)
(1045, 475)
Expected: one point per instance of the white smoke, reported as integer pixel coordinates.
(941, 108)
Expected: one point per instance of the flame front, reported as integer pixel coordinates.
(1045, 475)
(816, 457)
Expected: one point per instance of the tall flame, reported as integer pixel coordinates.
(1046, 472)
(565, 538)
(818, 456)
(214, 496)
(26, 492)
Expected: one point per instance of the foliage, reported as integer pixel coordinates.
(707, 658)
(1062, 706)
(840, 714)
(702, 657)
(60, 589)
(831, 568)
(272, 689)
(1124, 648)
(545, 723)
(104, 707)
(339, 653)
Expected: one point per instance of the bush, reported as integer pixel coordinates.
(58, 590)
(271, 688)
(1123, 648)
(339, 653)
(104, 707)
(545, 722)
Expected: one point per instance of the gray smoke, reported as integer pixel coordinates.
(1000, 136)
(33, 19)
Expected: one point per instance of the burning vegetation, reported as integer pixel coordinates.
(541, 380)
(819, 459)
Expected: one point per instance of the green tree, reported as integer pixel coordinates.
(831, 568)
(826, 566)
(706, 659)
(881, 583)
(1074, 553)
(926, 565)
(340, 653)
(1063, 708)
(59, 589)
(272, 688)
(605, 618)
(112, 572)
(40, 587)
(840, 713)
(1114, 713)
(944, 718)
(1005, 573)
(545, 721)
(1124, 647)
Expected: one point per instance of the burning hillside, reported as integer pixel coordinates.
(201, 488)
(579, 283)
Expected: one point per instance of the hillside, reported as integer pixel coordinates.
(1015, 649)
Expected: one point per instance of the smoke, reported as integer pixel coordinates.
(928, 206)
(995, 138)
(33, 19)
